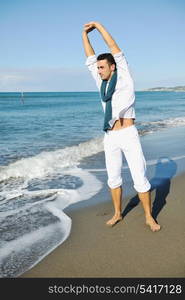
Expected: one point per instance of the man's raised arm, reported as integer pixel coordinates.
(87, 46)
(106, 36)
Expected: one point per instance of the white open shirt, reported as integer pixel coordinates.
(123, 97)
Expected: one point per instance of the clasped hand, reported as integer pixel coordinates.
(90, 26)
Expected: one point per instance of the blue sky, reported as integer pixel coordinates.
(41, 46)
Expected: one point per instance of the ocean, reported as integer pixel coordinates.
(44, 137)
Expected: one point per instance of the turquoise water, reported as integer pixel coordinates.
(44, 138)
(50, 121)
(46, 121)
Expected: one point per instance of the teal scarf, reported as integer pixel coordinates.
(107, 99)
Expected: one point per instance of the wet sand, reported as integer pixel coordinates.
(129, 249)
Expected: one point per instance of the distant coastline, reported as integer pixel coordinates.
(155, 89)
(166, 89)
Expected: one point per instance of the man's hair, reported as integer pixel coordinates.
(109, 57)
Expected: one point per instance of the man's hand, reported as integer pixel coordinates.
(105, 34)
(89, 51)
(89, 27)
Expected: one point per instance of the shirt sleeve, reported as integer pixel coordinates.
(121, 61)
(123, 69)
(124, 96)
(91, 63)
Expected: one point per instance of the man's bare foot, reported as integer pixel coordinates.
(114, 220)
(152, 224)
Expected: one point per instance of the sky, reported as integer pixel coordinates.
(41, 42)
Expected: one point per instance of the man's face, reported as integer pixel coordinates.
(104, 69)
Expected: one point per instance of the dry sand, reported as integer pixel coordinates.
(128, 249)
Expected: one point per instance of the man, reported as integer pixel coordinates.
(111, 73)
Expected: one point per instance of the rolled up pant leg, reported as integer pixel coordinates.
(136, 161)
(113, 160)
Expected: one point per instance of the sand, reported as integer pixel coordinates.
(129, 249)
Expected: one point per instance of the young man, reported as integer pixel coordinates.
(111, 73)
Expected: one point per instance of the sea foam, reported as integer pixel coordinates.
(32, 219)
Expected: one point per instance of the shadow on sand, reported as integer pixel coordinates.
(165, 170)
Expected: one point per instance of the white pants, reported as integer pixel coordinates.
(125, 140)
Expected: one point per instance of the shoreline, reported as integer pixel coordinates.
(128, 249)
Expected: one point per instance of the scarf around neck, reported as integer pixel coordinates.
(107, 97)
